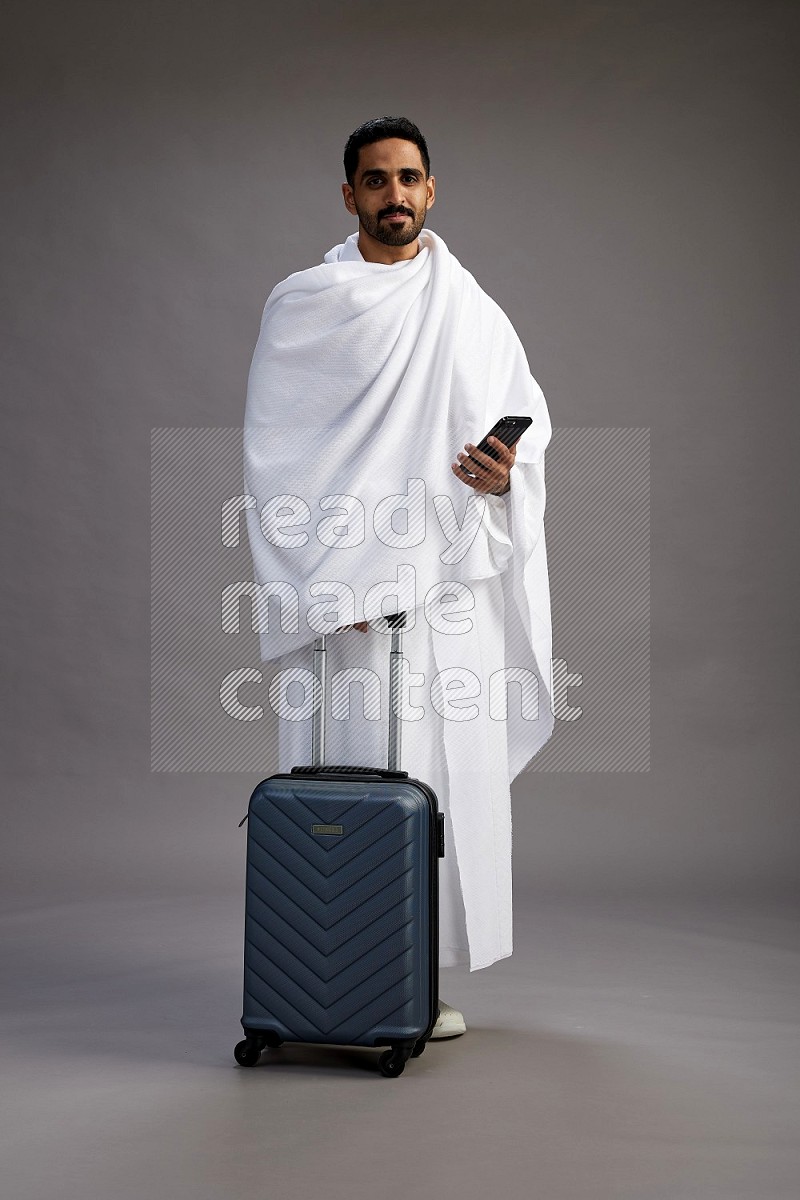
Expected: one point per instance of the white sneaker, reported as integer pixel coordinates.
(450, 1022)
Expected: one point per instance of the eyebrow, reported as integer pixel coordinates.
(400, 171)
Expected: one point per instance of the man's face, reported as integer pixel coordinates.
(390, 194)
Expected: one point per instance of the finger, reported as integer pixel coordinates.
(478, 456)
(490, 479)
(493, 478)
(476, 468)
(507, 453)
(461, 469)
(463, 475)
(484, 486)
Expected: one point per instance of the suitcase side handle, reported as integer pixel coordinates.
(396, 623)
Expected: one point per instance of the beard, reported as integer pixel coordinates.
(392, 235)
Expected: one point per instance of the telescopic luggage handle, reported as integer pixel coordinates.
(396, 623)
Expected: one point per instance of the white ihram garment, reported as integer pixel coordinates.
(468, 762)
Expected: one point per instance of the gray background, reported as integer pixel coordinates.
(622, 178)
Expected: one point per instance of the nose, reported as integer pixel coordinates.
(395, 194)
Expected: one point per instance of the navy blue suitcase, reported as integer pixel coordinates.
(341, 909)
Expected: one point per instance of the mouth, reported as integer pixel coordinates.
(396, 218)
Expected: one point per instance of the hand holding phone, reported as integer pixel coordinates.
(482, 475)
(508, 430)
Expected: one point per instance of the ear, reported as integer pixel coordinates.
(349, 200)
(431, 188)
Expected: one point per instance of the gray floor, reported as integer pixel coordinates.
(640, 1051)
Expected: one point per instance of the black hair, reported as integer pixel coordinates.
(377, 131)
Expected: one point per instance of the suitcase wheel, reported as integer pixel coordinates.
(392, 1062)
(247, 1053)
(418, 1049)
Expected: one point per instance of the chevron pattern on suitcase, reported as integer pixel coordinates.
(336, 931)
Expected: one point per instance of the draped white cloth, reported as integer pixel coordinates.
(365, 382)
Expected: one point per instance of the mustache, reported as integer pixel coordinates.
(388, 212)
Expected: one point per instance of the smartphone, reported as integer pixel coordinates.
(508, 430)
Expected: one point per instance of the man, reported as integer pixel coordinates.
(370, 370)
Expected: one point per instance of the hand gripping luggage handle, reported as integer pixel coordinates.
(396, 623)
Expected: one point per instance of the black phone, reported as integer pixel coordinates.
(508, 430)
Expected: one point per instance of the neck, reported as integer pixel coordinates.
(371, 250)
